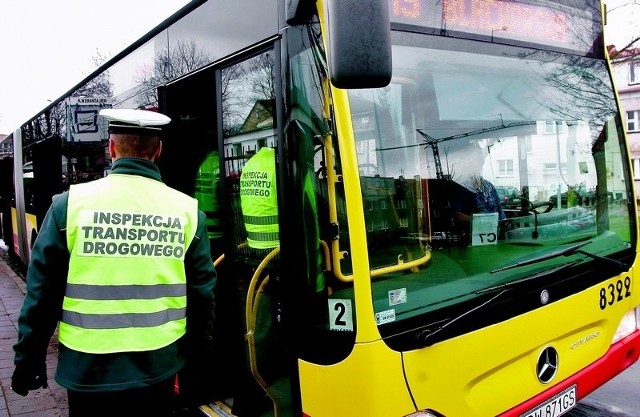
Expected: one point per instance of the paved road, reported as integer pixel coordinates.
(619, 397)
(48, 402)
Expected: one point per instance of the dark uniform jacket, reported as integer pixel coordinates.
(46, 280)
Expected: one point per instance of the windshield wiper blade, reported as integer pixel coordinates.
(620, 265)
(549, 255)
(427, 334)
(510, 284)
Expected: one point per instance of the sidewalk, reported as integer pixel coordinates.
(48, 402)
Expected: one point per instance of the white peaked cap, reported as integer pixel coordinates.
(133, 118)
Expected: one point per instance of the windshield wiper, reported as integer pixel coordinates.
(549, 255)
(427, 334)
(571, 250)
(620, 265)
(510, 284)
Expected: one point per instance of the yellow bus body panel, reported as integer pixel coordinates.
(489, 371)
(483, 373)
(31, 225)
(367, 383)
(14, 229)
(32, 229)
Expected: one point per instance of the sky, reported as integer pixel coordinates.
(623, 22)
(47, 46)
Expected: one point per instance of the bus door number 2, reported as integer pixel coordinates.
(615, 292)
(340, 315)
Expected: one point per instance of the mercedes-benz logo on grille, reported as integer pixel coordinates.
(547, 366)
(544, 297)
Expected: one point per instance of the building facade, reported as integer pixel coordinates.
(626, 66)
(6, 146)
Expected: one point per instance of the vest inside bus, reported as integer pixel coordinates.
(258, 199)
(207, 193)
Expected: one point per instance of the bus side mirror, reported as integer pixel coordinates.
(359, 36)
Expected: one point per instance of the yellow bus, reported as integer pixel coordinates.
(398, 281)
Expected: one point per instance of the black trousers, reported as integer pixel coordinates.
(152, 401)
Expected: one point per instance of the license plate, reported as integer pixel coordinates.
(556, 406)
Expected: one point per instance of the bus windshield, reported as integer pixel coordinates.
(486, 157)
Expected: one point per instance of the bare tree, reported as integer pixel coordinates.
(231, 103)
(260, 74)
(586, 94)
(633, 41)
(243, 85)
(100, 86)
(53, 122)
(181, 58)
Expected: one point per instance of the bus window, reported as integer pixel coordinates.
(434, 145)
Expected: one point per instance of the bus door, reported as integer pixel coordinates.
(251, 137)
(220, 118)
(190, 149)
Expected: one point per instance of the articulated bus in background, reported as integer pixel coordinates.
(457, 225)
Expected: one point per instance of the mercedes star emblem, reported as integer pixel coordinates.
(547, 366)
(544, 297)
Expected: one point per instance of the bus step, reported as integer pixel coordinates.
(216, 409)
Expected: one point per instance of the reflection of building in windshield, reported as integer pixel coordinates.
(548, 157)
(506, 134)
(527, 121)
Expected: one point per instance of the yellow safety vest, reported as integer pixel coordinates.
(259, 200)
(207, 193)
(126, 287)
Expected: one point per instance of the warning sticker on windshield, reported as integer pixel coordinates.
(386, 316)
(397, 296)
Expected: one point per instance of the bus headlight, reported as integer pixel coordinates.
(630, 323)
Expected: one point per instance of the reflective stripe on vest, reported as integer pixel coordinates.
(126, 287)
(259, 200)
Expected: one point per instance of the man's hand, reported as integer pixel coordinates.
(26, 378)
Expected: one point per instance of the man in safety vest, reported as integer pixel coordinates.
(259, 200)
(123, 266)
(207, 184)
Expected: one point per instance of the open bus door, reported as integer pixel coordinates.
(191, 151)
